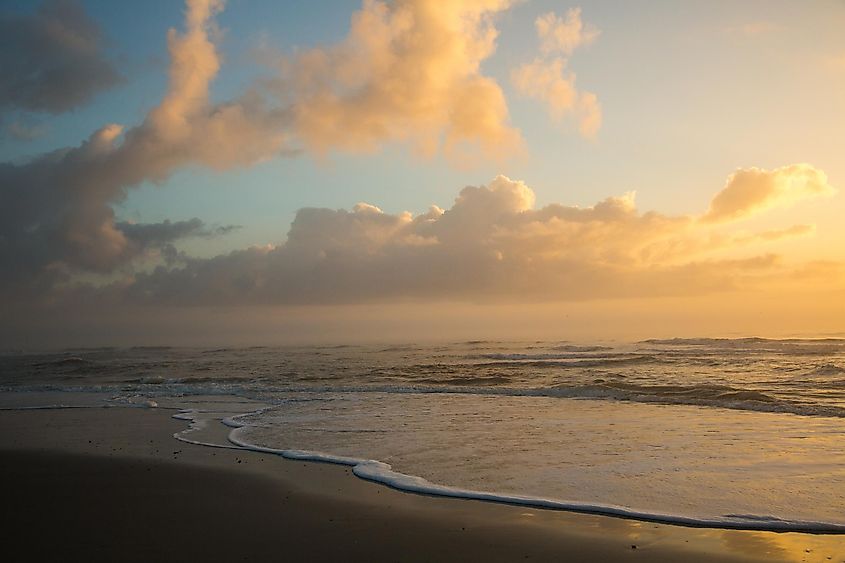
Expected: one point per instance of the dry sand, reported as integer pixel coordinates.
(113, 485)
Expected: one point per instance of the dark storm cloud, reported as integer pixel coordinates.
(56, 210)
(155, 235)
(52, 61)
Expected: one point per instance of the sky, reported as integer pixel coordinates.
(256, 172)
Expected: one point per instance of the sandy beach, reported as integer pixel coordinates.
(109, 484)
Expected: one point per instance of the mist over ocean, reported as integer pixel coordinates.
(739, 432)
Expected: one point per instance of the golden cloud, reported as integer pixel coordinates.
(752, 190)
(407, 71)
(491, 244)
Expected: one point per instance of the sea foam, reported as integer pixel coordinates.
(383, 473)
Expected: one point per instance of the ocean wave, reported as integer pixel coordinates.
(576, 348)
(826, 370)
(568, 362)
(72, 360)
(62, 362)
(710, 396)
(150, 380)
(400, 348)
(468, 380)
(753, 340)
(716, 396)
(793, 346)
(160, 380)
(568, 355)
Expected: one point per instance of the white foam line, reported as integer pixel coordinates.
(190, 416)
(195, 424)
(206, 444)
(380, 472)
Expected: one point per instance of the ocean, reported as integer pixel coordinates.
(743, 433)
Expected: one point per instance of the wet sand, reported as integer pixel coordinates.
(113, 484)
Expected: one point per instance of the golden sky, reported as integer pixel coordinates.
(750, 247)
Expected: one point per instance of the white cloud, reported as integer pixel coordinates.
(547, 78)
(564, 35)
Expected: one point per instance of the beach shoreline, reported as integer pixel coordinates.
(107, 483)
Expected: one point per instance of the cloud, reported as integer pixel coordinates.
(156, 240)
(564, 35)
(548, 82)
(547, 78)
(23, 132)
(589, 114)
(776, 234)
(407, 71)
(53, 60)
(157, 235)
(752, 190)
(56, 215)
(492, 244)
(60, 239)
